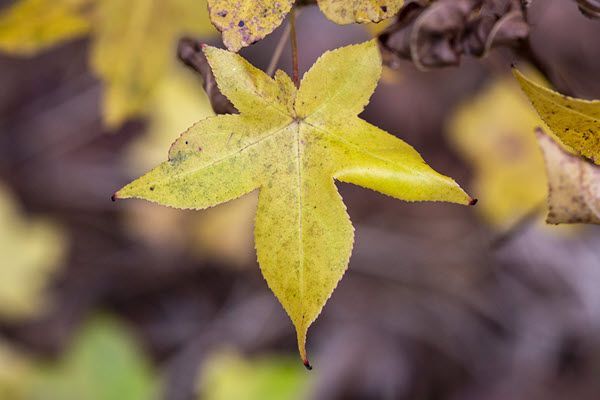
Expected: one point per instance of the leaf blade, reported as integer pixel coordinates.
(331, 86)
(303, 235)
(575, 122)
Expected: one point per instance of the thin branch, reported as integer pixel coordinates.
(279, 50)
(294, 42)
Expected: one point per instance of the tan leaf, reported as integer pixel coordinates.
(574, 185)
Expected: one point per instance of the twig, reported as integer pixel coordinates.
(294, 42)
(279, 49)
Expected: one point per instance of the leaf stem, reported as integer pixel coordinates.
(294, 43)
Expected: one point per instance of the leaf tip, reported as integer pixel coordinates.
(307, 364)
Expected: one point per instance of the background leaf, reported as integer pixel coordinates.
(31, 251)
(105, 363)
(140, 34)
(227, 375)
(30, 26)
(494, 132)
(575, 122)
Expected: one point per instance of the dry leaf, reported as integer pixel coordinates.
(438, 33)
(573, 185)
(243, 22)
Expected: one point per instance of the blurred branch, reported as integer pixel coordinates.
(279, 50)
(190, 53)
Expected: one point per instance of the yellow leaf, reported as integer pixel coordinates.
(223, 233)
(573, 185)
(494, 132)
(291, 145)
(227, 375)
(178, 101)
(362, 11)
(134, 47)
(575, 122)
(31, 252)
(33, 25)
(243, 22)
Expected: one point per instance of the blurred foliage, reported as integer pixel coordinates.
(32, 25)
(132, 41)
(227, 375)
(103, 363)
(30, 253)
(494, 131)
